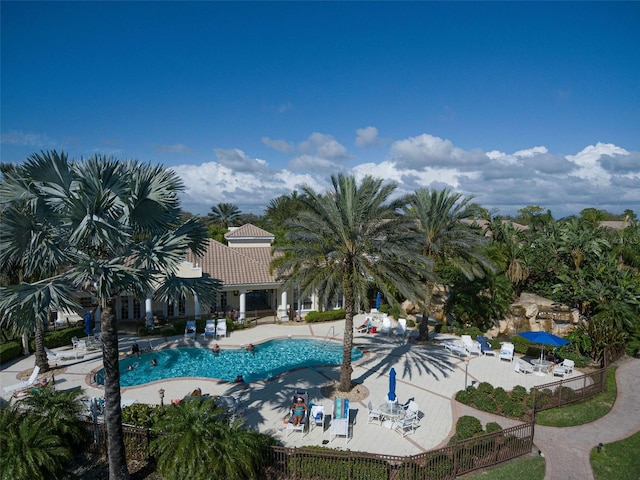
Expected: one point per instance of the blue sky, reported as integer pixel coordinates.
(515, 103)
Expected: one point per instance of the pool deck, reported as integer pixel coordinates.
(428, 374)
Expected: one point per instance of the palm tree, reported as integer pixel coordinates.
(445, 238)
(30, 446)
(107, 227)
(224, 214)
(346, 239)
(195, 440)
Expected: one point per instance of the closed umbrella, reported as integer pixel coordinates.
(378, 300)
(87, 323)
(544, 338)
(392, 385)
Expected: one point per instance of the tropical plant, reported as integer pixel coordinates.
(30, 446)
(224, 214)
(103, 226)
(346, 239)
(194, 439)
(445, 238)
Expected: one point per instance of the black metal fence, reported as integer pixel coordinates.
(569, 390)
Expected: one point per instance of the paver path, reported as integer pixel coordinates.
(567, 449)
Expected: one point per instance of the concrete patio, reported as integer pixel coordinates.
(428, 374)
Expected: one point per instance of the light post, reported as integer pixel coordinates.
(161, 393)
(466, 371)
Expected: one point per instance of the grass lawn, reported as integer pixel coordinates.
(525, 468)
(619, 460)
(584, 412)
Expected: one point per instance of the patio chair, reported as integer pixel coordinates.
(210, 328)
(316, 416)
(25, 383)
(485, 346)
(221, 328)
(523, 368)
(564, 368)
(374, 414)
(470, 345)
(405, 426)
(190, 329)
(340, 419)
(506, 351)
(413, 411)
(79, 344)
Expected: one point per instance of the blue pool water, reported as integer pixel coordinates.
(267, 360)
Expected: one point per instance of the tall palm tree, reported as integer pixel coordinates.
(224, 214)
(195, 440)
(107, 227)
(445, 238)
(345, 239)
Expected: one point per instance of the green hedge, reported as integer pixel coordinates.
(10, 351)
(328, 316)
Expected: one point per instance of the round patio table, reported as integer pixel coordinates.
(540, 367)
(392, 412)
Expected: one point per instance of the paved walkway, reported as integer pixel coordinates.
(567, 449)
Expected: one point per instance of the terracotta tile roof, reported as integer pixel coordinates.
(235, 266)
(248, 231)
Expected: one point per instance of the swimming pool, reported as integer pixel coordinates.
(265, 361)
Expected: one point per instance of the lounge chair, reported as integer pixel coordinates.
(470, 345)
(56, 357)
(485, 346)
(300, 427)
(366, 326)
(24, 384)
(523, 368)
(506, 351)
(316, 416)
(190, 329)
(386, 325)
(230, 403)
(455, 348)
(210, 328)
(78, 344)
(374, 414)
(221, 328)
(340, 419)
(564, 368)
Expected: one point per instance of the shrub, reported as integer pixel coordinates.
(466, 397)
(485, 387)
(411, 323)
(486, 403)
(438, 466)
(10, 351)
(513, 409)
(518, 392)
(500, 395)
(467, 426)
(328, 316)
(141, 415)
(493, 427)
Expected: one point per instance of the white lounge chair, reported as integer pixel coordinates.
(316, 416)
(56, 357)
(401, 328)
(470, 345)
(24, 384)
(506, 351)
(455, 348)
(386, 325)
(564, 368)
(221, 328)
(210, 328)
(523, 368)
(190, 329)
(300, 427)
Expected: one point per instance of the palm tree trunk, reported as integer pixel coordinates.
(41, 356)
(118, 469)
(346, 369)
(423, 332)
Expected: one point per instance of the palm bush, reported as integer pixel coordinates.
(194, 440)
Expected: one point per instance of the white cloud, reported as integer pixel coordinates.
(426, 150)
(26, 139)
(367, 137)
(588, 165)
(236, 159)
(323, 146)
(279, 145)
(314, 163)
(284, 107)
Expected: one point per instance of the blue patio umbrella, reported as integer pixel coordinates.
(544, 338)
(87, 323)
(392, 384)
(378, 300)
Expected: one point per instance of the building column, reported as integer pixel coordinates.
(242, 313)
(196, 307)
(148, 310)
(283, 313)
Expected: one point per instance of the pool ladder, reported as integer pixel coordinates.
(326, 337)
